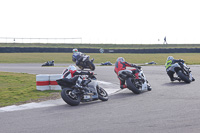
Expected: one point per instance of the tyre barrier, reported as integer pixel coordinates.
(53, 84)
(47, 82)
(93, 50)
(42, 82)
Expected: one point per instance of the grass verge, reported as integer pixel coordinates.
(19, 88)
(190, 58)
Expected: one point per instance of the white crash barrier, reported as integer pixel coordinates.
(42, 82)
(53, 83)
(47, 82)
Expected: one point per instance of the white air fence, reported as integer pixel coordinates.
(47, 82)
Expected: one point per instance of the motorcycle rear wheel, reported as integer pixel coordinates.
(103, 95)
(131, 86)
(69, 97)
(183, 77)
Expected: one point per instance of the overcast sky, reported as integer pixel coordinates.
(103, 21)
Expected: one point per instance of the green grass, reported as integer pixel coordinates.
(190, 58)
(98, 46)
(18, 88)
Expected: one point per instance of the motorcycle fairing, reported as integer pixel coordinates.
(93, 87)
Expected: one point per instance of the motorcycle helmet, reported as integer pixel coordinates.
(170, 58)
(75, 50)
(71, 67)
(120, 59)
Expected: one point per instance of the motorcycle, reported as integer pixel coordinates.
(183, 72)
(48, 63)
(108, 63)
(135, 81)
(85, 62)
(81, 89)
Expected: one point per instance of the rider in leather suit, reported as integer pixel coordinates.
(170, 62)
(69, 75)
(77, 56)
(120, 66)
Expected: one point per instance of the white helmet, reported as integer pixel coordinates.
(120, 59)
(71, 67)
(75, 50)
(170, 58)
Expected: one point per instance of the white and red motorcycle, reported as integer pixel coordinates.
(136, 82)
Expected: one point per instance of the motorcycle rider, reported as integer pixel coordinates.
(169, 65)
(77, 56)
(69, 75)
(120, 66)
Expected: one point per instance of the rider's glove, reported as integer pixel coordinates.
(133, 65)
(139, 67)
(182, 60)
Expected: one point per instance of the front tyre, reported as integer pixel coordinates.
(131, 86)
(91, 65)
(82, 68)
(103, 95)
(183, 77)
(69, 97)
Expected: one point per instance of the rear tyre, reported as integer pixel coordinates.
(69, 97)
(103, 95)
(91, 65)
(183, 77)
(131, 86)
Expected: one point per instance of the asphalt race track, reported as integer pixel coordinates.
(171, 107)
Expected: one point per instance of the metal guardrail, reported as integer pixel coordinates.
(39, 40)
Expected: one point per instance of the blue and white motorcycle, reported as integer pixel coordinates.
(84, 62)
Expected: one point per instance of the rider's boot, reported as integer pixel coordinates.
(149, 88)
(77, 63)
(85, 82)
(193, 79)
(123, 86)
(172, 79)
(177, 78)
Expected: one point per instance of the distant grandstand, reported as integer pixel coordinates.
(39, 40)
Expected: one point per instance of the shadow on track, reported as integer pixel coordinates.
(175, 84)
(81, 105)
(126, 93)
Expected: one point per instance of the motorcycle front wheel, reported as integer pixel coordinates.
(91, 65)
(82, 68)
(69, 97)
(183, 77)
(131, 86)
(103, 95)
